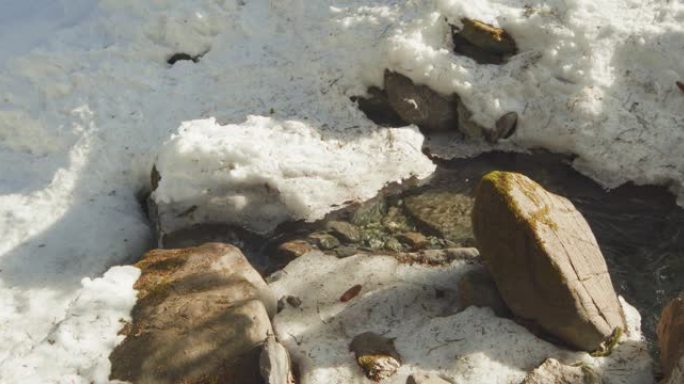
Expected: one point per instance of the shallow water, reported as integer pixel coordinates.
(640, 229)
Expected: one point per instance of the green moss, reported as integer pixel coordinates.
(606, 348)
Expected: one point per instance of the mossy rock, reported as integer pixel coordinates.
(545, 260)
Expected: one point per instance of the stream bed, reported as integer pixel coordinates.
(640, 229)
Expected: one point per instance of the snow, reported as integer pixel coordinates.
(88, 102)
(399, 301)
(243, 174)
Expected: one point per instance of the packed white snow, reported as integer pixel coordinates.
(88, 100)
(264, 172)
(400, 301)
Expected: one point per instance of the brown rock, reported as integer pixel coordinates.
(484, 43)
(545, 260)
(415, 240)
(376, 355)
(420, 105)
(201, 316)
(552, 371)
(477, 287)
(291, 250)
(671, 338)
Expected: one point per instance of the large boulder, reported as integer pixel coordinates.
(545, 260)
(671, 340)
(202, 316)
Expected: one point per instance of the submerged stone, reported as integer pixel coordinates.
(344, 231)
(446, 214)
(545, 260)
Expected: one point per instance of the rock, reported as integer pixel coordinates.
(552, 371)
(393, 244)
(274, 363)
(378, 109)
(482, 42)
(447, 214)
(545, 260)
(344, 231)
(505, 126)
(395, 220)
(415, 240)
(201, 316)
(376, 355)
(370, 212)
(671, 338)
(325, 241)
(676, 376)
(346, 251)
(425, 378)
(466, 125)
(420, 105)
(290, 250)
(477, 287)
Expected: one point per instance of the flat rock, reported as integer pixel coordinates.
(552, 371)
(671, 339)
(445, 214)
(545, 260)
(202, 315)
(420, 105)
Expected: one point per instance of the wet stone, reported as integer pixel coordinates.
(292, 249)
(324, 241)
(446, 214)
(393, 244)
(395, 220)
(346, 251)
(344, 231)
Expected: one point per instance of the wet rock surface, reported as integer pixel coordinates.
(671, 340)
(545, 260)
(202, 315)
(445, 214)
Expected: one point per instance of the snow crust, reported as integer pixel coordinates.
(400, 301)
(243, 174)
(88, 99)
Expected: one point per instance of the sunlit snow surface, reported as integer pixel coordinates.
(87, 100)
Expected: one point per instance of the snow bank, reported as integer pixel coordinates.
(594, 80)
(264, 171)
(401, 301)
